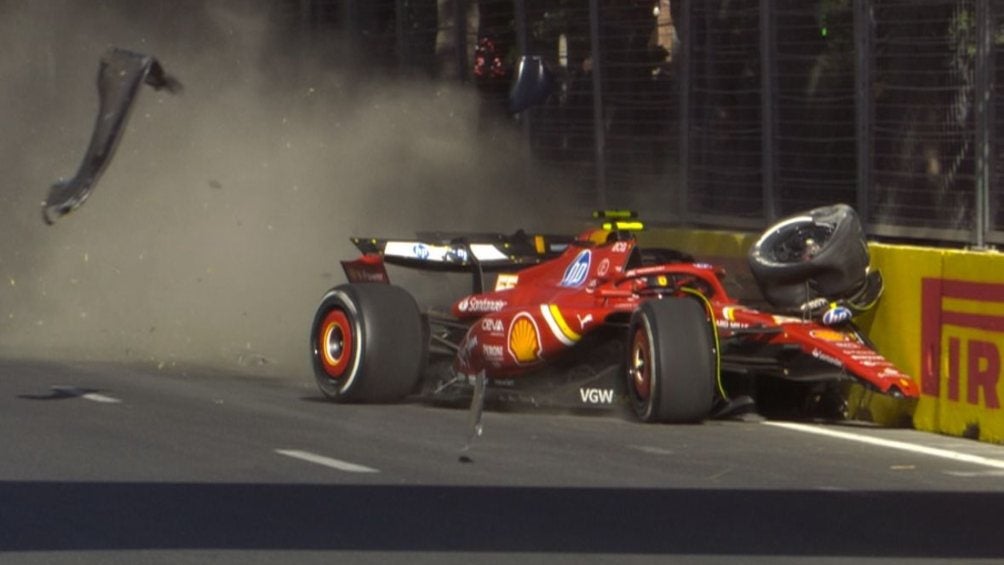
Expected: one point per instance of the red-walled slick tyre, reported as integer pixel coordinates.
(367, 343)
(671, 366)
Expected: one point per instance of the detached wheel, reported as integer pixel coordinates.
(671, 361)
(367, 343)
(821, 252)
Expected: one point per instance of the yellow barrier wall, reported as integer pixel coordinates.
(940, 320)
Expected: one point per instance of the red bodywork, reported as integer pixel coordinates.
(537, 313)
(545, 309)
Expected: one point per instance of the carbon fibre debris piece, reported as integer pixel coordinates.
(120, 75)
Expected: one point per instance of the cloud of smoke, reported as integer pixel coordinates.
(221, 220)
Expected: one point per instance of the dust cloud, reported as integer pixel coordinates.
(221, 220)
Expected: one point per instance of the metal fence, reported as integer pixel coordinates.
(733, 113)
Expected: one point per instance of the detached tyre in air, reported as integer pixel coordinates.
(820, 253)
(672, 362)
(367, 343)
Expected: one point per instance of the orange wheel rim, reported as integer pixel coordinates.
(335, 344)
(641, 365)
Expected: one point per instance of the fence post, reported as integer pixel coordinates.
(768, 57)
(523, 48)
(599, 131)
(522, 38)
(400, 34)
(350, 19)
(863, 104)
(982, 120)
(460, 25)
(306, 15)
(683, 83)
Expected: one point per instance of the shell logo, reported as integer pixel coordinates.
(524, 339)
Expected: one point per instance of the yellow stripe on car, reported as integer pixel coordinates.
(559, 327)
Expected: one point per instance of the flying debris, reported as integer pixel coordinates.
(534, 82)
(120, 75)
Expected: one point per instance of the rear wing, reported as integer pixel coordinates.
(456, 253)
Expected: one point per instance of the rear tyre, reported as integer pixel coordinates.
(671, 367)
(367, 343)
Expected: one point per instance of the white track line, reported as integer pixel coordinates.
(326, 461)
(891, 444)
(100, 398)
(93, 396)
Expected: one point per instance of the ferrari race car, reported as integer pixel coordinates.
(598, 321)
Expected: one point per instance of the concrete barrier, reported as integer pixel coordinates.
(940, 320)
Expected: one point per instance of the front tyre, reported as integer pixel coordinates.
(671, 366)
(819, 253)
(367, 343)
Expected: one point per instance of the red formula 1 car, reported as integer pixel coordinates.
(597, 321)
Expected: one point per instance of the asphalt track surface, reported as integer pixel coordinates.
(118, 464)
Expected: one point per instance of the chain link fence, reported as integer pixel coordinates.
(731, 113)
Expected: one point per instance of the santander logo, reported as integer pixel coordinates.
(480, 305)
